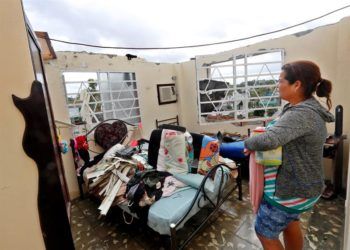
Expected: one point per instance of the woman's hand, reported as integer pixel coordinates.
(246, 152)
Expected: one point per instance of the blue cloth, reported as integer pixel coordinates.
(195, 180)
(171, 209)
(232, 150)
(271, 220)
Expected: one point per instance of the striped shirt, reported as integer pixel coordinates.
(291, 205)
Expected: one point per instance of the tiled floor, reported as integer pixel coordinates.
(231, 228)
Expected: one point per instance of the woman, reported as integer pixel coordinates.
(297, 184)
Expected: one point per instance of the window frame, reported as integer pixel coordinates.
(231, 85)
(112, 99)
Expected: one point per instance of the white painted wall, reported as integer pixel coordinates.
(19, 218)
(346, 245)
(342, 83)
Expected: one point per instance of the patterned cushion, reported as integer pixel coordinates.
(172, 152)
(209, 155)
(107, 135)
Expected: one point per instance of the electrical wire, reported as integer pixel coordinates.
(198, 45)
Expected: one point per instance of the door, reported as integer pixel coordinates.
(40, 143)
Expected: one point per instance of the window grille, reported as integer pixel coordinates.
(96, 96)
(241, 89)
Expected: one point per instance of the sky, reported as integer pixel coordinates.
(165, 23)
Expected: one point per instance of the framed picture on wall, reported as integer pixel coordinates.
(166, 93)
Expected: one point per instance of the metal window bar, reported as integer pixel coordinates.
(242, 76)
(240, 64)
(223, 112)
(104, 92)
(238, 88)
(93, 102)
(251, 98)
(216, 68)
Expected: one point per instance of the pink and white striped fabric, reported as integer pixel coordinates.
(256, 182)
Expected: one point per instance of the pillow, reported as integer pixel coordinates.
(106, 134)
(209, 155)
(172, 152)
(175, 160)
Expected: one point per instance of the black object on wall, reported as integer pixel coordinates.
(338, 121)
(39, 145)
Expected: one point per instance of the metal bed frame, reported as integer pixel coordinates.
(201, 193)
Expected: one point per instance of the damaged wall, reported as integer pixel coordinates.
(148, 75)
(319, 45)
(328, 46)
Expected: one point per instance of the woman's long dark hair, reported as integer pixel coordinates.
(308, 73)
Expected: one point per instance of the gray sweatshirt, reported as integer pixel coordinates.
(301, 131)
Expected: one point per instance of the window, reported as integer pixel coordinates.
(96, 96)
(241, 89)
